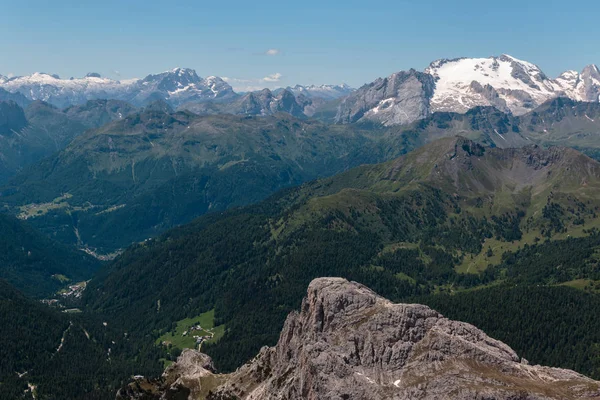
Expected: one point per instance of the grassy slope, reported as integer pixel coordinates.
(206, 320)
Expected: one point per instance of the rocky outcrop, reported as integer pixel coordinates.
(192, 376)
(349, 343)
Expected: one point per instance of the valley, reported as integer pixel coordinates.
(388, 226)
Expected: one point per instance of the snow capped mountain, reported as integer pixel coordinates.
(180, 85)
(64, 92)
(506, 83)
(176, 87)
(326, 92)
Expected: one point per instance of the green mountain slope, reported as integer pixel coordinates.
(564, 122)
(551, 325)
(411, 226)
(30, 134)
(64, 356)
(135, 178)
(37, 265)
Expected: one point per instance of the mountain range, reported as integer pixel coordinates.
(457, 85)
(177, 86)
(325, 92)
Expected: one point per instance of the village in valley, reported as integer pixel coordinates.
(201, 336)
(192, 333)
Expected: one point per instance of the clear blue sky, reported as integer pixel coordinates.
(314, 41)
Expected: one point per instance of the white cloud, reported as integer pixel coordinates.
(272, 52)
(232, 81)
(276, 77)
(253, 84)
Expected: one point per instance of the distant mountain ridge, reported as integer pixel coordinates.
(262, 103)
(325, 92)
(156, 168)
(176, 86)
(504, 82)
(458, 85)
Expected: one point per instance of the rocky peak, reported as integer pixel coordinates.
(349, 343)
(590, 76)
(174, 79)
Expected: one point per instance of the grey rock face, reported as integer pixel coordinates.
(192, 376)
(590, 76)
(349, 343)
(398, 99)
(489, 93)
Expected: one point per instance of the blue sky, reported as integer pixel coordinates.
(311, 42)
